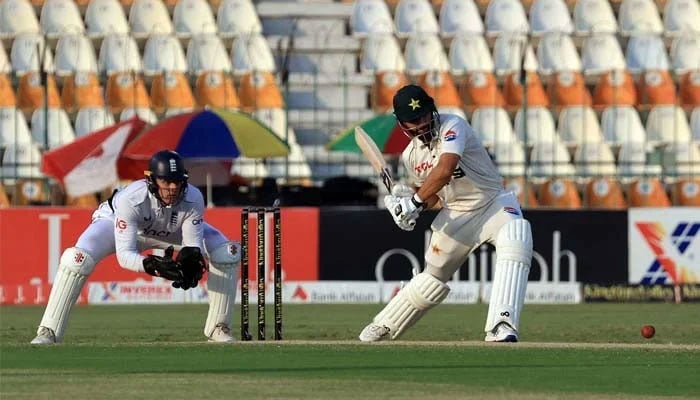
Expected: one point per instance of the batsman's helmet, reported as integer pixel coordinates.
(167, 165)
(412, 104)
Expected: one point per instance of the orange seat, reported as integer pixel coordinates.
(259, 90)
(615, 88)
(689, 89)
(171, 90)
(4, 200)
(85, 201)
(30, 94)
(81, 90)
(513, 90)
(440, 86)
(647, 192)
(656, 87)
(525, 193)
(568, 88)
(386, 83)
(481, 90)
(604, 193)
(559, 193)
(29, 191)
(126, 90)
(686, 192)
(7, 94)
(215, 89)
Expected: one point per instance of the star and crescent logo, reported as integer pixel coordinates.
(414, 104)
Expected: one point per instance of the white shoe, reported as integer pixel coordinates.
(221, 334)
(502, 333)
(44, 335)
(375, 333)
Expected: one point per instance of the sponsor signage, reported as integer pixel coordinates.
(641, 293)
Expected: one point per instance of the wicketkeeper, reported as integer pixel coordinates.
(446, 162)
(162, 211)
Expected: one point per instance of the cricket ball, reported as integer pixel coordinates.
(648, 331)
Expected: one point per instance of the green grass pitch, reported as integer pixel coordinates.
(586, 351)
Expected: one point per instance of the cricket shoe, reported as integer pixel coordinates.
(44, 335)
(221, 334)
(502, 333)
(375, 333)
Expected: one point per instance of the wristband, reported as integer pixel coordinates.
(417, 201)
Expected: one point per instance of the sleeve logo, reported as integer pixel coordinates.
(121, 224)
(450, 136)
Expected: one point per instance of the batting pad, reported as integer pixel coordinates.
(513, 258)
(422, 293)
(222, 281)
(73, 269)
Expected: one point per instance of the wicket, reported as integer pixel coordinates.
(261, 257)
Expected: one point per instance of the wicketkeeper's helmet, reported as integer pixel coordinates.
(169, 166)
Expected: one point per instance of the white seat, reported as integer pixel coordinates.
(550, 16)
(17, 16)
(509, 158)
(681, 16)
(237, 17)
(601, 53)
(685, 53)
(27, 51)
(13, 127)
(639, 16)
(621, 124)
(632, 161)
(557, 52)
(91, 119)
(370, 17)
(21, 161)
(163, 53)
(492, 125)
(119, 53)
(251, 168)
(460, 16)
(252, 53)
(58, 132)
(207, 53)
(540, 126)
(5, 64)
(425, 53)
(681, 159)
(144, 113)
(415, 17)
(595, 159)
(646, 52)
(74, 52)
(103, 17)
(505, 16)
(594, 16)
(578, 125)
(695, 124)
(508, 53)
(667, 125)
(60, 17)
(549, 159)
(276, 120)
(147, 17)
(381, 53)
(193, 17)
(469, 52)
(176, 110)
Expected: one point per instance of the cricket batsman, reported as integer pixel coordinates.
(447, 162)
(162, 211)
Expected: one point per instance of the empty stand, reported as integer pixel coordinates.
(460, 17)
(480, 89)
(492, 125)
(74, 52)
(509, 158)
(103, 17)
(568, 88)
(639, 16)
(621, 124)
(7, 93)
(147, 17)
(237, 17)
(119, 53)
(216, 89)
(647, 192)
(514, 93)
(28, 51)
(656, 87)
(615, 88)
(13, 127)
(508, 54)
(469, 52)
(252, 53)
(91, 119)
(594, 159)
(126, 90)
(51, 129)
(539, 127)
(601, 53)
(193, 17)
(171, 90)
(207, 53)
(549, 159)
(30, 93)
(81, 90)
(646, 52)
(578, 126)
(686, 192)
(547, 16)
(681, 17)
(667, 125)
(59, 17)
(506, 16)
(371, 17)
(381, 53)
(384, 88)
(594, 16)
(559, 193)
(163, 53)
(415, 17)
(685, 53)
(16, 17)
(259, 90)
(557, 52)
(440, 86)
(425, 53)
(604, 193)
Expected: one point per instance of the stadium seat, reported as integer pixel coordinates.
(632, 162)
(469, 52)
(557, 52)
(492, 125)
(667, 125)
(13, 127)
(5, 64)
(523, 190)
(238, 17)
(681, 17)
(656, 87)
(81, 90)
(259, 90)
(103, 17)
(508, 54)
(381, 53)
(647, 192)
(249, 168)
(415, 17)
(251, 53)
(163, 53)
(480, 89)
(686, 192)
(91, 119)
(460, 17)
(171, 90)
(646, 52)
(7, 93)
(579, 125)
(144, 113)
(615, 88)
(119, 53)
(681, 159)
(509, 159)
(53, 129)
(621, 124)
(370, 17)
(695, 124)
(594, 16)
(60, 17)
(685, 53)
(505, 16)
(601, 53)
(74, 52)
(604, 193)
(16, 17)
(126, 90)
(20, 168)
(176, 110)
(216, 89)
(559, 193)
(207, 53)
(513, 91)
(276, 120)
(30, 93)
(193, 17)
(547, 16)
(550, 159)
(440, 86)
(594, 159)
(4, 200)
(385, 85)
(540, 126)
(27, 51)
(425, 53)
(567, 88)
(147, 17)
(639, 16)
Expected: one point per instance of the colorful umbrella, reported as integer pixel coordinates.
(382, 129)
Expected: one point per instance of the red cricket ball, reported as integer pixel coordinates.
(648, 331)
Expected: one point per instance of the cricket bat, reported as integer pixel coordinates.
(374, 156)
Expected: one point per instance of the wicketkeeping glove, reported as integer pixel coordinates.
(193, 265)
(164, 267)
